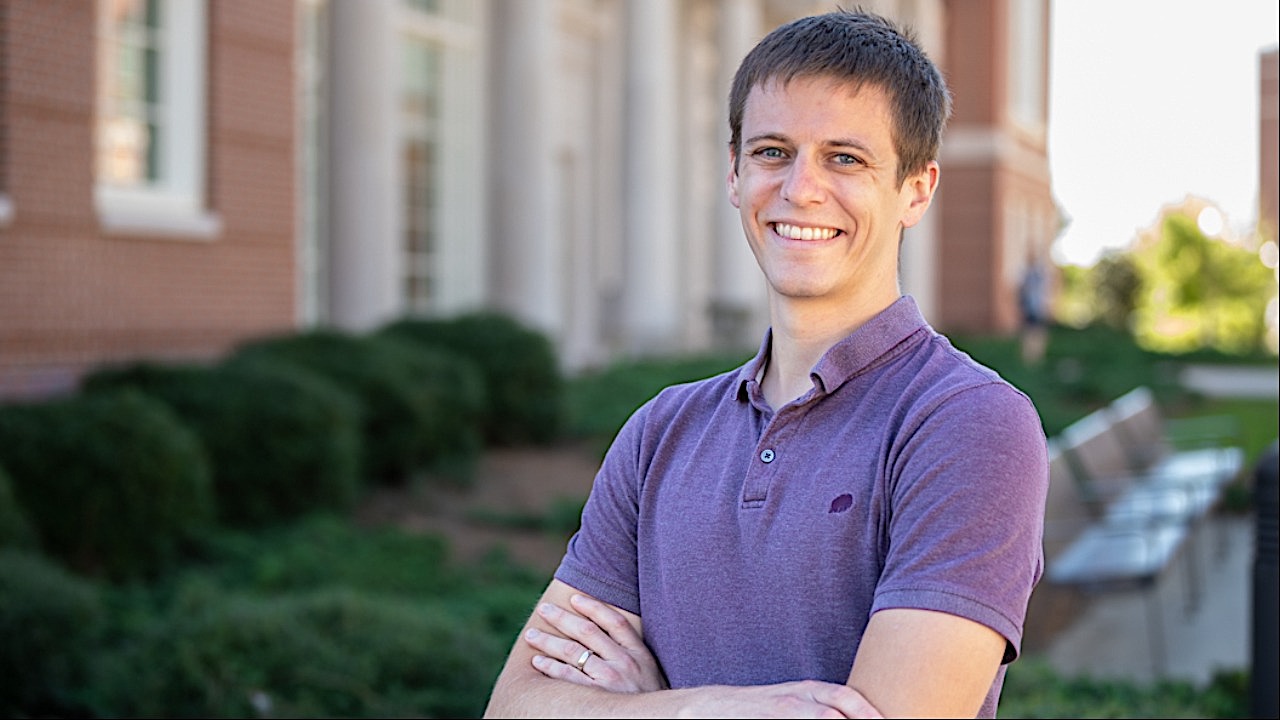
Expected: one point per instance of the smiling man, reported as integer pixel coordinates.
(848, 525)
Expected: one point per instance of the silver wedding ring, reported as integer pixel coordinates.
(582, 660)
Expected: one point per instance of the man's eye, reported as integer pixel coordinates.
(770, 153)
(847, 159)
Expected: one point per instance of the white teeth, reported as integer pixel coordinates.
(795, 232)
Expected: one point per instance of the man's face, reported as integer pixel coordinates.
(817, 188)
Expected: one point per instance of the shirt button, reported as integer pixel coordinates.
(766, 456)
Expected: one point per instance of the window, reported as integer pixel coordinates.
(420, 149)
(150, 125)
(441, 162)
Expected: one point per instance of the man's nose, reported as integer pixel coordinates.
(804, 183)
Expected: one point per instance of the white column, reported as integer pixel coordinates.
(740, 301)
(365, 192)
(918, 258)
(524, 268)
(651, 295)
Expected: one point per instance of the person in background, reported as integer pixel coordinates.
(849, 525)
(1034, 307)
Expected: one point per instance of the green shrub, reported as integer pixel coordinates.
(281, 442)
(1033, 690)
(325, 551)
(50, 623)
(113, 482)
(330, 653)
(519, 366)
(418, 407)
(600, 402)
(15, 529)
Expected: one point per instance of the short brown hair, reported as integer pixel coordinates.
(865, 49)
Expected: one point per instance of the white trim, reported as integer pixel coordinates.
(966, 145)
(202, 227)
(6, 210)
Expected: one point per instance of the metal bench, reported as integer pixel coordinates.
(1112, 551)
(1147, 495)
(1203, 454)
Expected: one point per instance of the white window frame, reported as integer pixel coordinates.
(174, 204)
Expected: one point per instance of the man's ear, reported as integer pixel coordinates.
(732, 180)
(919, 189)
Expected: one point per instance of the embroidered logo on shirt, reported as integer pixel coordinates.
(841, 504)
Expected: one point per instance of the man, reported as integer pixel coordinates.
(850, 523)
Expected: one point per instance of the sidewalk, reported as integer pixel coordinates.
(1227, 381)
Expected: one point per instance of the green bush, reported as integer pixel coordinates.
(1083, 369)
(326, 551)
(15, 529)
(281, 442)
(113, 482)
(600, 402)
(519, 366)
(1033, 690)
(50, 622)
(329, 653)
(419, 407)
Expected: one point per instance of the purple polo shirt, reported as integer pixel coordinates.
(756, 544)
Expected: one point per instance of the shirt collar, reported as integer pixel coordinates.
(858, 351)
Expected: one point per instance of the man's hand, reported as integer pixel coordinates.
(800, 699)
(596, 646)
(618, 660)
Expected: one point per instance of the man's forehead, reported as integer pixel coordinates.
(850, 86)
(762, 100)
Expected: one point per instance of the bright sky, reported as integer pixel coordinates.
(1152, 100)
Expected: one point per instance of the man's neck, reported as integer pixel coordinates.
(801, 336)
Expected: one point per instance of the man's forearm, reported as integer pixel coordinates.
(517, 695)
(521, 694)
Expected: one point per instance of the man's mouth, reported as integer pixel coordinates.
(797, 232)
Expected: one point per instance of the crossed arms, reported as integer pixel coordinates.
(909, 663)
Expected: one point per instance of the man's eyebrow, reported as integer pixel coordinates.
(851, 143)
(766, 137)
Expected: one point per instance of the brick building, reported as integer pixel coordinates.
(177, 176)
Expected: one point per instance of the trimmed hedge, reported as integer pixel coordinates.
(330, 653)
(112, 482)
(15, 529)
(519, 365)
(50, 622)
(282, 443)
(419, 407)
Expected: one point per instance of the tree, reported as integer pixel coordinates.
(1197, 291)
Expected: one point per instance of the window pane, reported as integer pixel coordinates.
(420, 151)
(130, 131)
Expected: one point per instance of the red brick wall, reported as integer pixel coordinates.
(974, 46)
(1007, 169)
(969, 224)
(71, 296)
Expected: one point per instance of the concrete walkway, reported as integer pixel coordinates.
(1228, 381)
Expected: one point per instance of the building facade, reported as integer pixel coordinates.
(342, 163)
